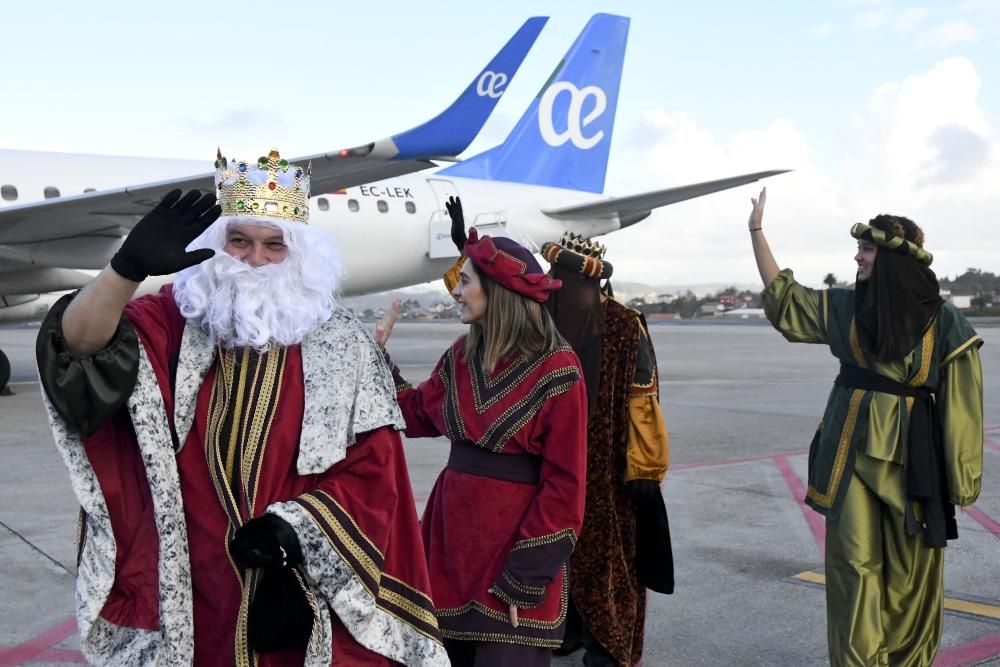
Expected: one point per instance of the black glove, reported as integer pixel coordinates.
(642, 490)
(265, 541)
(155, 246)
(280, 617)
(458, 237)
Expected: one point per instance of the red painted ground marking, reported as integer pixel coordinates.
(984, 520)
(37, 645)
(66, 655)
(992, 427)
(969, 654)
(728, 462)
(991, 444)
(816, 523)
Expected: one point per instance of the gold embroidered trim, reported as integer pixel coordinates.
(959, 350)
(531, 409)
(409, 588)
(824, 302)
(496, 637)
(546, 539)
(924, 369)
(479, 607)
(414, 610)
(355, 550)
(856, 346)
(522, 588)
(826, 499)
(522, 371)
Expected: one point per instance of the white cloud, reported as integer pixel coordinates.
(824, 30)
(948, 34)
(872, 20)
(909, 18)
(921, 147)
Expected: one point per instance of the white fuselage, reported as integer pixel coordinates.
(392, 233)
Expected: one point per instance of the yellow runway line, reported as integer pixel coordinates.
(951, 604)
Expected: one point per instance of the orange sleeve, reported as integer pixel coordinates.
(453, 275)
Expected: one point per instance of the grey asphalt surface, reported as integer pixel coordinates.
(741, 405)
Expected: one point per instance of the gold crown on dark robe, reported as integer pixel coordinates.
(582, 245)
(269, 188)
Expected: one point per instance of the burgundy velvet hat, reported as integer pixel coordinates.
(510, 264)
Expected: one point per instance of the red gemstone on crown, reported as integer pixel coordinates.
(272, 185)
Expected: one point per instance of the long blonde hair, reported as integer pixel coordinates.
(512, 324)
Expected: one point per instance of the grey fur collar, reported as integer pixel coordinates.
(348, 388)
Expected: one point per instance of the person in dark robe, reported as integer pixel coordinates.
(624, 545)
(901, 440)
(505, 514)
(233, 441)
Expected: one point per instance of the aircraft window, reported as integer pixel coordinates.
(411, 207)
(353, 206)
(51, 192)
(8, 192)
(86, 190)
(383, 206)
(323, 204)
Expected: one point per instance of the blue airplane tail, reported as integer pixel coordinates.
(564, 137)
(450, 132)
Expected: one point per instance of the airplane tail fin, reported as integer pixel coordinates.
(564, 137)
(451, 131)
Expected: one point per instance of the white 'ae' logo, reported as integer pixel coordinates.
(491, 84)
(574, 124)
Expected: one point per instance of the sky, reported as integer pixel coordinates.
(878, 106)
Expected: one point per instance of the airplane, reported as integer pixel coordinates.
(390, 224)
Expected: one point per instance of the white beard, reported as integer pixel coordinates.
(275, 304)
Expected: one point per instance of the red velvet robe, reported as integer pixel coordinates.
(367, 494)
(490, 542)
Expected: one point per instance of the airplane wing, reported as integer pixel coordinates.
(633, 208)
(108, 214)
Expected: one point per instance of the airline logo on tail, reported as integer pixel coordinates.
(574, 124)
(491, 84)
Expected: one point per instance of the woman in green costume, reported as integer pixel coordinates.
(901, 441)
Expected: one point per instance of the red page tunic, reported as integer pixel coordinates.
(490, 541)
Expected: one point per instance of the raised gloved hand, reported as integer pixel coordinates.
(458, 237)
(265, 541)
(642, 490)
(156, 246)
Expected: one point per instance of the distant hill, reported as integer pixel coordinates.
(973, 281)
(428, 294)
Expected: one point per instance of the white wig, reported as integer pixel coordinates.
(240, 305)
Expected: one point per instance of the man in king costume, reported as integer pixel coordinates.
(233, 443)
(628, 450)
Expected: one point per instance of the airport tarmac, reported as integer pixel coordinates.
(741, 405)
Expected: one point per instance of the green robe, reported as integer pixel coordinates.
(874, 423)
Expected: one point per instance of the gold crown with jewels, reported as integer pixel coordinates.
(270, 188)
(583, 246)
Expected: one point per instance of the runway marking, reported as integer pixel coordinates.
(985, 610)
(34, 648)
(973, 653)
(817, 524)
(728, 462)
(984, 520)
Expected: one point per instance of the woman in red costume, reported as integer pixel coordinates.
(504, 515)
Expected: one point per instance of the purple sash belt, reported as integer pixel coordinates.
(468, 458)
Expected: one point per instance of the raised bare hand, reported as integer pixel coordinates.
(757, 212)
(383, 327)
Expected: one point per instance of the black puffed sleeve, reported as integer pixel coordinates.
(86, 389)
